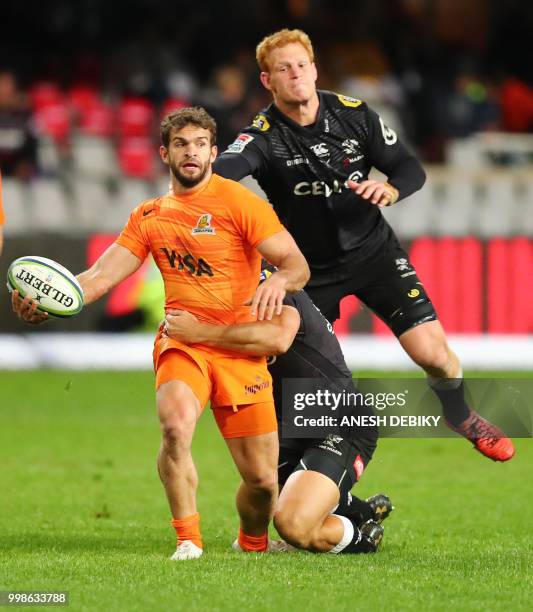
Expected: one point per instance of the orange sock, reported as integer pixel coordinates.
(253, 543)
(188, 528)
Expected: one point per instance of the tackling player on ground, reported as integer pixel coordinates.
(311, 152)
(316, 475)
(207, 239)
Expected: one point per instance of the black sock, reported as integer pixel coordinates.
(355, 509)
(451, 394)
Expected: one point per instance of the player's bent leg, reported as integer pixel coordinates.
(303, 518)
(426, 345)
(304, 504)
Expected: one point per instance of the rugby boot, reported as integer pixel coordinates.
(381, 506)
(371, 536)
(488, 439)
(187, 550)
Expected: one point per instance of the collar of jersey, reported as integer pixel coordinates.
(193, 193)
(304, 129)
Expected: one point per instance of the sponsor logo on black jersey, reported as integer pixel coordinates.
(261, 123)
(347, 101)
(389, 135)
(297, 161)
(187, 263)
(350, 146)
(237, 146)
(321, 188)
(320, 149)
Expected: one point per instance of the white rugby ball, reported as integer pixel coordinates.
(52, 286)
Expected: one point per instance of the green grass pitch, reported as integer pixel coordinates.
(82, 510)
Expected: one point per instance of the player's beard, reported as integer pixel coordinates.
(187, 181)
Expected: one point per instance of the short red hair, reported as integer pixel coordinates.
(281, 39)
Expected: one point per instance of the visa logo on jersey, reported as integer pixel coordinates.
(187, 263)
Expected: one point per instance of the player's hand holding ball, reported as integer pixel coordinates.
(26, 309)
(381, 194)
(41, 288)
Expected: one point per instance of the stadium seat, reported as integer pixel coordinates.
(50, 209)
(16, 204)
(136, 158)
(45, 93)
(172, 104)
(135, 118)
(92, 199)
(496, 210)
(413, 217)
(82, 97)
(524, 204)
(98, 119)
(94, 156)
(454, 213)
(49, 157)
(250, 183)
(131, 193)
(53, 120)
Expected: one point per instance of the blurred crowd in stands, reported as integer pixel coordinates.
(103, 76)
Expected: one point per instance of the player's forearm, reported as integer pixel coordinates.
(407, 176)
(258, 338)
(294, 271)
(94, 285)
(111, 268)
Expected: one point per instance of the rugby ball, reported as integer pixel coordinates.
(52, 286)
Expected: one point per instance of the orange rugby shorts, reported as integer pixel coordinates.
(210, 377)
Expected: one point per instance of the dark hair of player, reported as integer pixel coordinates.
(193, 115)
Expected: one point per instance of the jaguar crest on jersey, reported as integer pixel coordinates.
(203, 225)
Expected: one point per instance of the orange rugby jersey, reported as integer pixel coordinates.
(203, 242)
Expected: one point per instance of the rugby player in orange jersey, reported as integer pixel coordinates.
(207, 238)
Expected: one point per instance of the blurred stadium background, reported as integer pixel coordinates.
(84, 85)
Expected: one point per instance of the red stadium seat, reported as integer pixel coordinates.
(53, 120)
(82, 97)
(135, 118)
(172, 104)
(98, 119)
(136, 158)
(45, 93)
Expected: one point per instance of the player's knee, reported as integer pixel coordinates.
(292, 527)
(177, 427)
(432, 356)
(177, 415)
(177, 433)
(265, 480)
